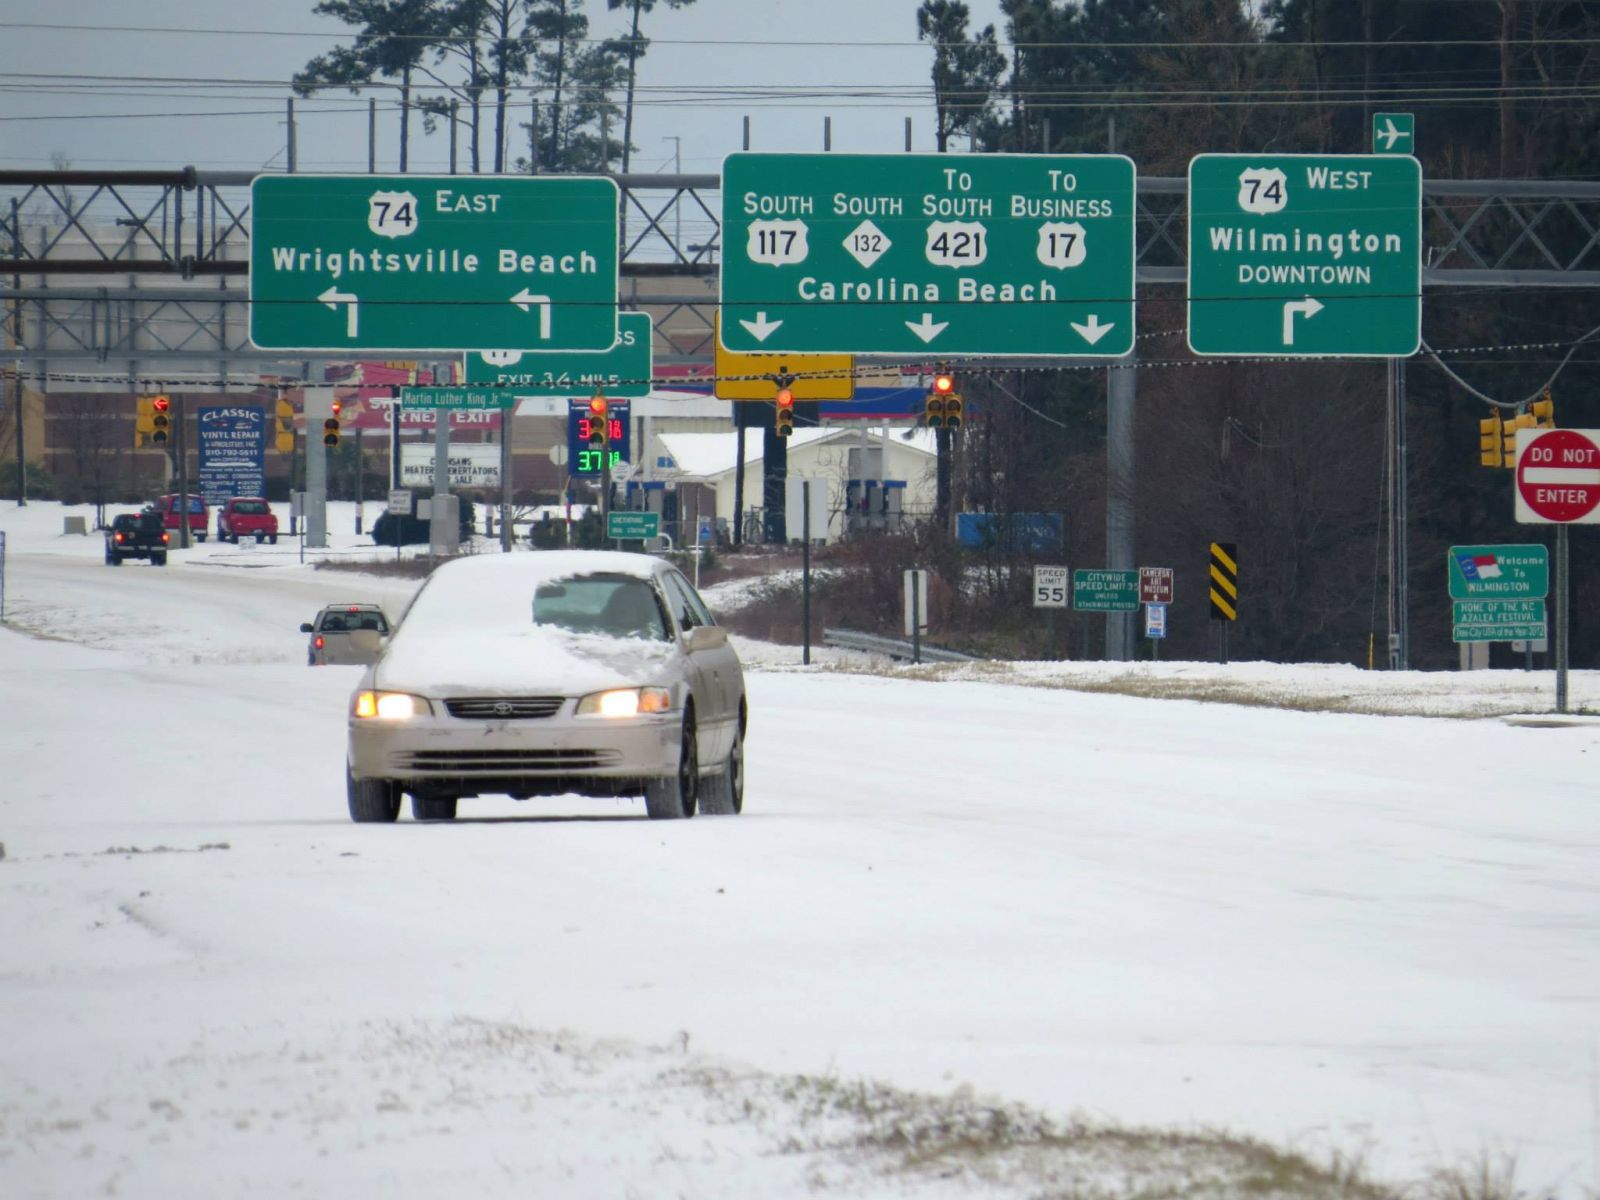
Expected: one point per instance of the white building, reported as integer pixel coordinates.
(871, 478)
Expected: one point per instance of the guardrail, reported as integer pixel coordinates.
(849, 639)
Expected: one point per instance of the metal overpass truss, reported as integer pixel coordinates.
(82, 254)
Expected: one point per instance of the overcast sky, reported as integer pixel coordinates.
(147, 118)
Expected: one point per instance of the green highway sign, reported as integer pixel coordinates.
(1305, 254)
(622, 371)
(993, 254)
(1497, 620)
(633, 526)
(455, 397)
(1394, 133)
(1105, 591)
(1479, 572)
(433, 262)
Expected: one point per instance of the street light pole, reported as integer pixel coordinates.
(677, 209)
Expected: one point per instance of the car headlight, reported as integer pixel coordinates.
(390, 706)
(626, 702)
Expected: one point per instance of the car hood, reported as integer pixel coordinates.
(530, 661)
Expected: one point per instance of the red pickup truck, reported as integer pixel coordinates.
(170, 509)
(246, 516)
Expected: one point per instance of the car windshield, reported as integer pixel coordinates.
(614, 605)
(345, 621)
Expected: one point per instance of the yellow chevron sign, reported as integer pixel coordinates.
(1224, 581)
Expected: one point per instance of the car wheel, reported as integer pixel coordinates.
(674, 796)
(260, 537)
(433, 808)
(199, 537)
(158, 560)
(273, 539)
(113, 560)
(723, 794)
(372, 800)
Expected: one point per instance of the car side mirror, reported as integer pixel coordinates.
(706, 637)
(305, 626)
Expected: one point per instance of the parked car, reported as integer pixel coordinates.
(333, 634)
(171, 511)
(543, 674)
(136, 535)
(246, 516)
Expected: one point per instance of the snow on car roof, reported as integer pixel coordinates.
(471, 627)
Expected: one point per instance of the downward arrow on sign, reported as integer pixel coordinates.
(927, 329)
(761, 328)
(1092, 330)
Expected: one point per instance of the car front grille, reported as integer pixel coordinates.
(503, 708)
(508, 762)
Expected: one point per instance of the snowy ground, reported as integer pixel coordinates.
(970, 931)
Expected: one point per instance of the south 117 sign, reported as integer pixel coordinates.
(1305, 254)
(919, 253)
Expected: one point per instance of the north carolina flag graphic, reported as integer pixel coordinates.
(1479, 566)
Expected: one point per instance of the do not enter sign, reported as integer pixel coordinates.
(1558, 476)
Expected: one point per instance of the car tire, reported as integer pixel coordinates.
(158, 560)
(433, 808)
(722, 795)
(199, 537)
(674, 797)
(260, 537)
(273, 539)
(113, 560)
(372, 800)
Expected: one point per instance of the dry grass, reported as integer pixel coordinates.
(995, 1147)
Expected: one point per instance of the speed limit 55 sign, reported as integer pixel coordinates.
(1049, 587)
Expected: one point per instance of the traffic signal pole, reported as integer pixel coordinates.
(1121, 393)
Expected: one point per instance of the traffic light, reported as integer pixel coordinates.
(1544, 411)
(942, 408)
(1520, 421)
(783, 413)
(330, 427)
(599, 422)
(285, 430)
(1489, 446)
(159, 424)
(952, 410)
(144, 419)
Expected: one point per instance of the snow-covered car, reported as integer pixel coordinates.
(344, 634)
(549, 673)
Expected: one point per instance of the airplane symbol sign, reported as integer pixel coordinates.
(1394, 133)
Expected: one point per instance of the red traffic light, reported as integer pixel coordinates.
(336, 407)
(785, 398)
(597, 406)
(160, 404)
(944, 383)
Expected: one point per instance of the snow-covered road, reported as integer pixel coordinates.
(1376, 936)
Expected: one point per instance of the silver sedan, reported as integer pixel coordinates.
(547, 673)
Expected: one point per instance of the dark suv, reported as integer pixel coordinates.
(136, 535)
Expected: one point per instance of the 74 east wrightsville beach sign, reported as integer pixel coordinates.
(433, 262)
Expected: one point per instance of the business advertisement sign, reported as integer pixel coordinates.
(233, 448)
(472, 465)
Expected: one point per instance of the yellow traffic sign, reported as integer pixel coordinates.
(751, 376)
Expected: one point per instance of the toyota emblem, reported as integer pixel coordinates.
(503, 709)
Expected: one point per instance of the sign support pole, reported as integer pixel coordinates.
(506, 532)
(1563, 595)
(805, 571)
